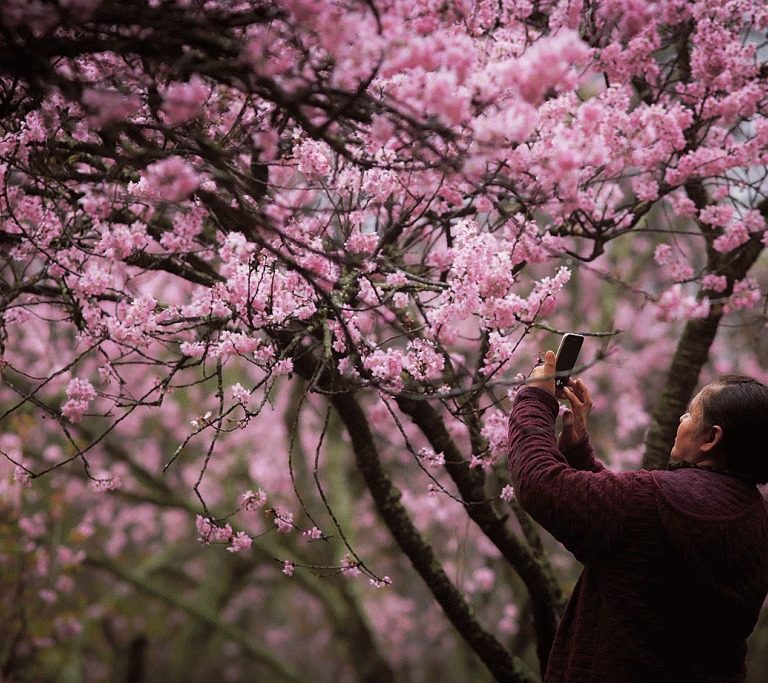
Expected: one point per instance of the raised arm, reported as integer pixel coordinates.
(584, 509)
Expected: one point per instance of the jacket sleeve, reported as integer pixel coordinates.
(581, 456)
(585, 509)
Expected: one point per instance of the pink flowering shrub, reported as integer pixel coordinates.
(271, 274)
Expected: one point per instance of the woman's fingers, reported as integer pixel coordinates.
(572, 397)
(577, 391)
(584, 392)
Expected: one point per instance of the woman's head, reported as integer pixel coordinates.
(739, 406)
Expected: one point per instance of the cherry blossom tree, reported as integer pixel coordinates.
(272, 270)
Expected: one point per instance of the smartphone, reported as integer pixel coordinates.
(567, 353)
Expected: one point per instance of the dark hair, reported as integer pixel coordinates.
(739, 405)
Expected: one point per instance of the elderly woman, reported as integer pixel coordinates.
(676, 561)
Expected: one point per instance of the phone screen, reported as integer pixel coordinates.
(567, 354)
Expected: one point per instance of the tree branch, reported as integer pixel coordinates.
(546, 596)
(386, 497)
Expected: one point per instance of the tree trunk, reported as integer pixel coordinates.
(690, 356)
(693, 348)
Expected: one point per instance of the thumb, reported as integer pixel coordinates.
(550, 360)
(567, 418)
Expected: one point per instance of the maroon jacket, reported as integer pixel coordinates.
(675, 562)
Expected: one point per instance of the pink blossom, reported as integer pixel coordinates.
(16, 316)
(646, 188)
(442, 96)
(283, 367)
(95, 204)
(313, 534)
(184, 101)
(208, 531)
(22, 477)
(312, 157)
(507, 493)
(34, 129)
(733, 237)
(171, 179)
(431, 458)
(235, 248)
(350, 567)
(33, 526)
(240, 542)
(746, 295)
(549, 64)
(483, 579)
(386, 367)
(628, 16)
(288, 567)
(543, 298)
(48, 596)
(251, 501)
(716, 283)
(380, 183)
(119, 241)
(80, 393)
(234, 344)
(283, 521)
(192, 349)
(69, 557)
(361, 243)
(240, 393)
(754, 221)
(380, 583)
(135, 322)
(106, 483)
(85, 529)
(495, 432)
(109, 106)
(680, 271)
(509, 621)
(681, 204)
(423, 360)
(264, 354)
(484, 205)
(508, 123)
(479, 461)
(718, 215)
(184, 234)
(94, 281)
(674, 304)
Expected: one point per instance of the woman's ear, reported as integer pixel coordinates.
(714, 437)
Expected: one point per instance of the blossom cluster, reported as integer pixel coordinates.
(80, 394)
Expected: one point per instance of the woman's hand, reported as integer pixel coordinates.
(575, 419)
